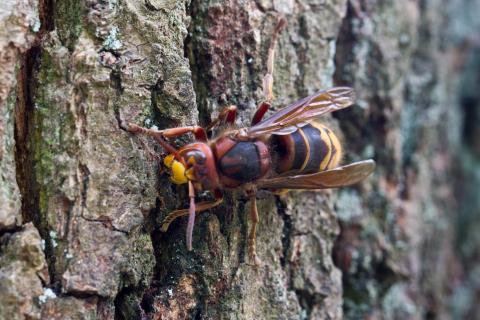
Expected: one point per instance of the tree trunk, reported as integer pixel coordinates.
(81, 200)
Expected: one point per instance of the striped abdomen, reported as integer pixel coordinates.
(309, 149)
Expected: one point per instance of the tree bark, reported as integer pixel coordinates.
(81, 200)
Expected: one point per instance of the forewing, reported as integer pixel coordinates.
(338, 177)
(305, 109)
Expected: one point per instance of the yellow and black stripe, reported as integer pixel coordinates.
(309, 149)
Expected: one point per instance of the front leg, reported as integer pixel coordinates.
(202, 206)
(197, 131)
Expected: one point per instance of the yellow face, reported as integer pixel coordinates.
(179, 174)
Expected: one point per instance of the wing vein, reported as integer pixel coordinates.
(318, 104)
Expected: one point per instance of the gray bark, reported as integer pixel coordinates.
(81, 200)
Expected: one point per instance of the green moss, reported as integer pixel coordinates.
(48, 72)
(141, 263)
(52, 140)
(68, 14)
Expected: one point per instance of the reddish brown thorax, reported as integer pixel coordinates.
(240, 162)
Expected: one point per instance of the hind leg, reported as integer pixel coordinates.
(252, 235)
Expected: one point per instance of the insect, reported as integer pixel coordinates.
(287, 150)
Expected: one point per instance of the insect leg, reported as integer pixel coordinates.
(152, 155)
(268, 78)
(197, 131)
(252, 236)
(227, 115)
(260, 112)
(201, 206)
(156, 134)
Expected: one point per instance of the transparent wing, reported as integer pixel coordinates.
(338, 177)
(303, 110)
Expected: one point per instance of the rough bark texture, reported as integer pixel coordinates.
(81, 200)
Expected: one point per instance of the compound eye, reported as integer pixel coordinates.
(195, 157)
